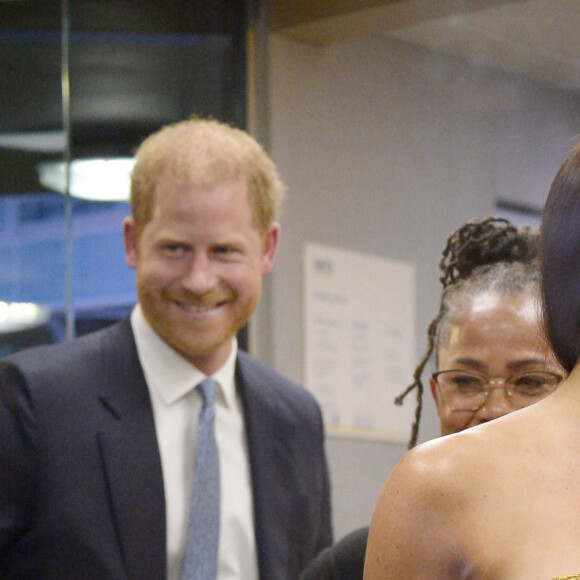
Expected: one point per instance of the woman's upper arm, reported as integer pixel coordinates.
(411, 535)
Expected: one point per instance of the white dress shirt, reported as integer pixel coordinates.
(176, 404)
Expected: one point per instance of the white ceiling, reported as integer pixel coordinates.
(538, 38)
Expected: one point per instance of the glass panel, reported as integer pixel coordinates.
(133, 67)
(31, 132)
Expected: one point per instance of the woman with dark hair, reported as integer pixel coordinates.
(561, 262)
(487, 326)
(500, 501)
(488, 317)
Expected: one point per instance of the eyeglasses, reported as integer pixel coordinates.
(469, 390)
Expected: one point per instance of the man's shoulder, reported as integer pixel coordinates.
(271, 384)
(80, 351)
(251, 368)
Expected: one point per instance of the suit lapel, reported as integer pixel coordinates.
(271, 435)
(130, 455)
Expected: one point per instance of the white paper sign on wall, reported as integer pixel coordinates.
(359, 339)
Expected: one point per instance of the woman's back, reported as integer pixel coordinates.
(493, 502)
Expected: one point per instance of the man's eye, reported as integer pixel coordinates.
(226, 251)
(173, 249)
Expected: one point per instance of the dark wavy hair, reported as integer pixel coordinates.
(560, 257)
(482, 255)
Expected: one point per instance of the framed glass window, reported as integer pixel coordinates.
(87, 81)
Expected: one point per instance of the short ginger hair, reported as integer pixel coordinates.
(205, 152)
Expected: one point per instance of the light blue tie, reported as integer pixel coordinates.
(201, 548)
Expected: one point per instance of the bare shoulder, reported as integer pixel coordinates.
(422, 523)
(434, 470)
(415, 531)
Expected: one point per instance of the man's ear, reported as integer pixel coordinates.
(270, 246)
(131, 239)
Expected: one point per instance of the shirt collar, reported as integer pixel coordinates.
(169, 373)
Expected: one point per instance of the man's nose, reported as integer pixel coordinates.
(200, 275)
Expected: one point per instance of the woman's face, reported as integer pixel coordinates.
(495, 336)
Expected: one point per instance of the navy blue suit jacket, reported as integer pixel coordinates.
(81, 488)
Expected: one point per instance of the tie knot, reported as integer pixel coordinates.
(209, 389)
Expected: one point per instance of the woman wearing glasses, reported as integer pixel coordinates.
(501, 500)
(489, 352)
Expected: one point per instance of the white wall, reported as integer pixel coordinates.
(386, 149)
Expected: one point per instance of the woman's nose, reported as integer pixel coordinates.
(496, 404)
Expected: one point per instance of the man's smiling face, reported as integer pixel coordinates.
(200, 262)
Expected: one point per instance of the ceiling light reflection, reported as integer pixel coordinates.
(90, 179)
(16, 316)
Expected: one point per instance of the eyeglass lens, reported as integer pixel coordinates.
(465, 391)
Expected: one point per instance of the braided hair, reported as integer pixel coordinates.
(482, 255)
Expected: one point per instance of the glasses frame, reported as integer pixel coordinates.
(492, 383)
